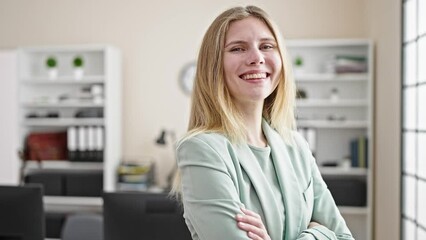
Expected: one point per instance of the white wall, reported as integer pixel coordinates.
(9, 166)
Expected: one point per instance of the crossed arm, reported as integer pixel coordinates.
(212, 204)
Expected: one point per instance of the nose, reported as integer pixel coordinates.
(255, 57)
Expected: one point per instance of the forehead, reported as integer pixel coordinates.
(247, 28)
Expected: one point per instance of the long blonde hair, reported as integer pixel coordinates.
(212, 107)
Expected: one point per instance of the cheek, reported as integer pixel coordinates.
(226, 69)
(277, 66)
(229, 65)
(278, 63)
(227, 79)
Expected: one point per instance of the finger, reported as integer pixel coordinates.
(257, 219)
(250, 220)
(250, 213)
(255, 231)
(254, 236)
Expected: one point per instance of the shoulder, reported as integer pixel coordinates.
(207, 151)
(210, 140)
(208, 148)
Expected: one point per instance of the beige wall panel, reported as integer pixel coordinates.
(385, 25)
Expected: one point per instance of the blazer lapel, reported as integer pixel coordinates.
(251, 166)
(287, 180)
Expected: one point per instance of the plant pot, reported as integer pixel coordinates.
(78, 73)
(299, 70)
(52, 73)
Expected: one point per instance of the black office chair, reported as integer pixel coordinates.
(87, 226)
(150, 216)
(21, 213)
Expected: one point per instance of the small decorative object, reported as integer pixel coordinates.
(164, 134)
(301, 94)
(298, 61)
(334, 94)
(346, 163)
(52, 69)
(97, 92)
(165, 138)
(336, 117)
(298, 65)
(187, 77)
(136, 176)
(78, 64)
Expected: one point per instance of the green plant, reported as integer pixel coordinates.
(51, 62)
(298, 61)
(78, 61)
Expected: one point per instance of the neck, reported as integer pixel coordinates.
(252, 118)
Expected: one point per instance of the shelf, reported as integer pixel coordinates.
(66, 80)
(72, 204)
(331, 103)
(338, 171)
(66, 48)
(63, 105)
(338, 109)
(293, 43)
(349, 124)
(349, 210)
(67, 97)
(331, 77)
(62, 165)
(63, 122)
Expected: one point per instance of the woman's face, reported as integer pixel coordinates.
(252, 62)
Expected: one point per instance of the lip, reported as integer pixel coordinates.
(254, 72)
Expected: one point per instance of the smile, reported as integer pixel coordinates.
(254, 76)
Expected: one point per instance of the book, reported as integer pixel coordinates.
(359, 152)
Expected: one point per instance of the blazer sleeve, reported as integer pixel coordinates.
(325, 210)
(209, 194)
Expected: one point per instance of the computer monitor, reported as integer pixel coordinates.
(21, 213)
(137, 215)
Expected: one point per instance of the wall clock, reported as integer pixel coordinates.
(187, 77)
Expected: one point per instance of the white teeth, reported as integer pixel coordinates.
(254, 76)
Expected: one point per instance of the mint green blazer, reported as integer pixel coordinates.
(218, 178)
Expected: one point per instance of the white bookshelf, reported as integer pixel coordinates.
(339, 108)
(332, 103)
(331, 77)
(62, 165)
(40, 94)
(64, 80)
(349, 124)
(63, 105)
(62, 122)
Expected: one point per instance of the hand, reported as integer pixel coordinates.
(313, 224)
(252, 224)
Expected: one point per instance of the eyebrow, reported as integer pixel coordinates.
(242, 42)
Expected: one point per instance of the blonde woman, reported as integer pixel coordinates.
(244, 173)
